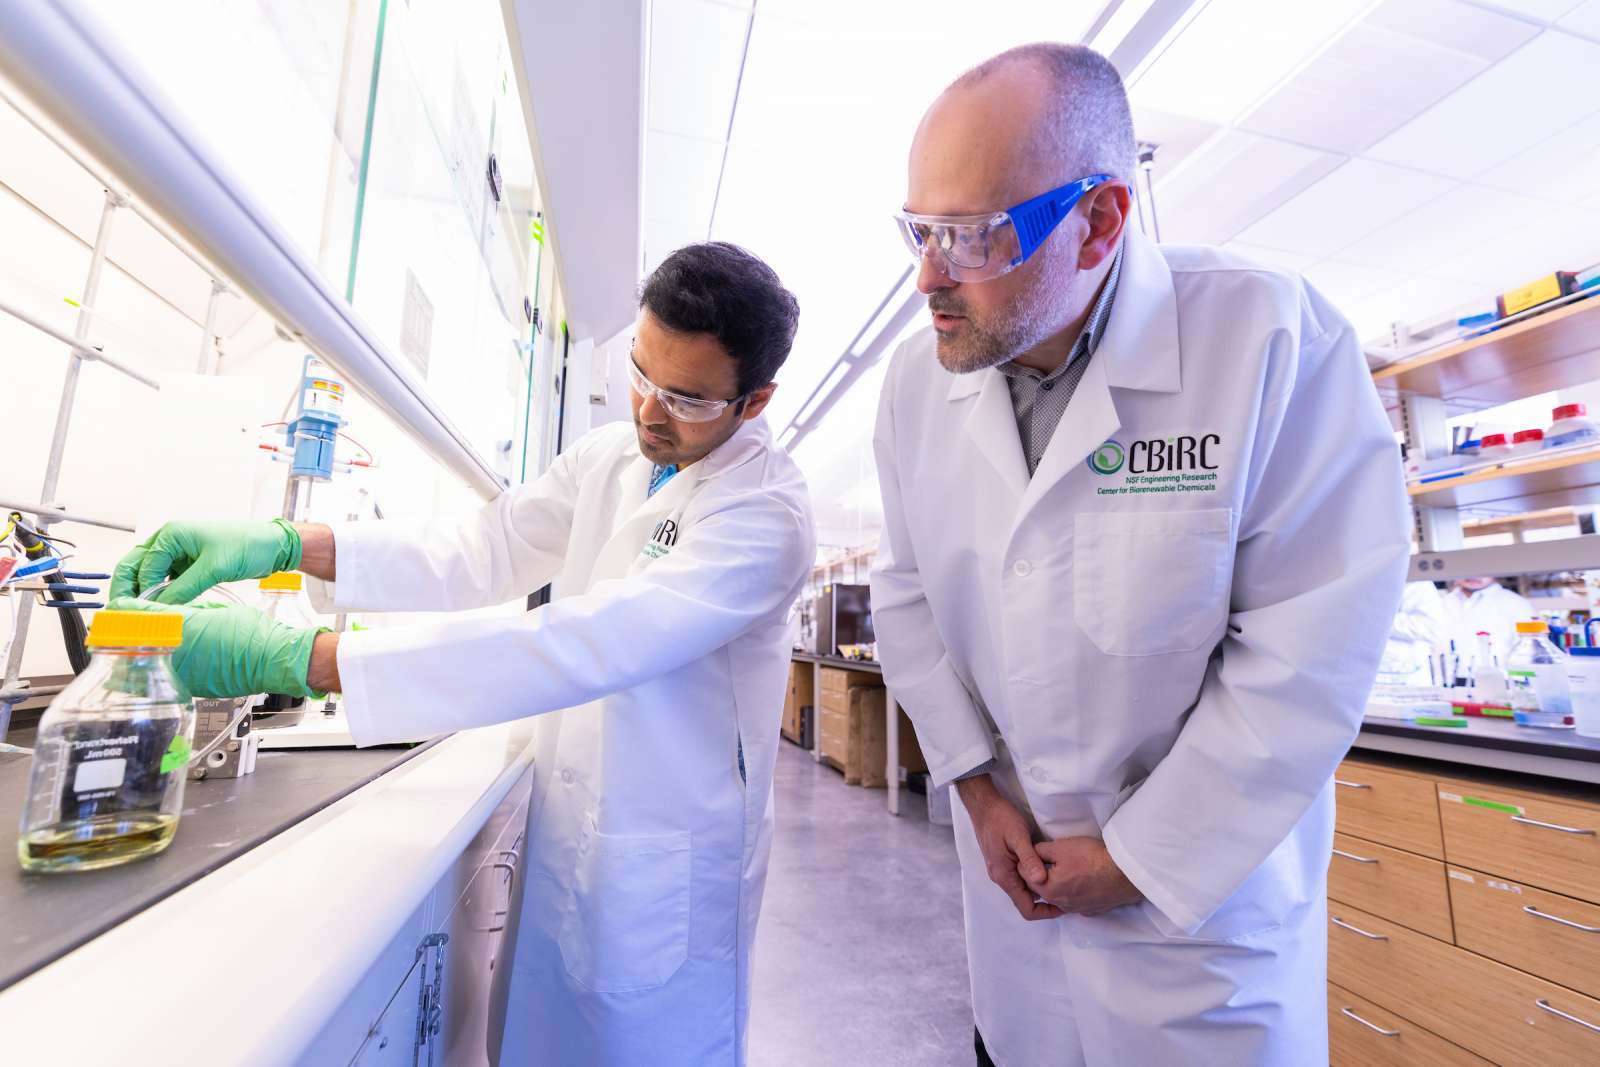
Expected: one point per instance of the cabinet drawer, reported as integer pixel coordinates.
(1388, 807)
(1543, 843)
(1398, 885)
(1558, 939)
(1495, 1011)
(1361, 1034)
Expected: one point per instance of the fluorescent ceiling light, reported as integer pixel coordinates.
(821, 395)
(1123, 19)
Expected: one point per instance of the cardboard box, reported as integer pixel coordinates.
(799, 703)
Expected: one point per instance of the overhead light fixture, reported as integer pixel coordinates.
(887, 312)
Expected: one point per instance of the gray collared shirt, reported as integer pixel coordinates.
(1040, 400)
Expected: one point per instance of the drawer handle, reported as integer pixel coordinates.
(1351, 785)
(1353, 856)
(1552, 826)
(1531, 910)
(1374, 1027)
(1357, 930)
(1544, 1005)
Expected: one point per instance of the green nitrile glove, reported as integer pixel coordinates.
(232, 651)
(198, 555)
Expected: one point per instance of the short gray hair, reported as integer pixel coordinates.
(1086, 119)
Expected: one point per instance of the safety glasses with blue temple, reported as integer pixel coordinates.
(979, 248)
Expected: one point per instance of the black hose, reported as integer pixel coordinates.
(74, 634)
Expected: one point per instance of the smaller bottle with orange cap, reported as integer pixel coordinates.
(283, 600)
(112, 752)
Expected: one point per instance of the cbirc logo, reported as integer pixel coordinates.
(1157, 455)
(1107, 459)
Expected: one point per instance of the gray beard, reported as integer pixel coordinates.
(1029, 320)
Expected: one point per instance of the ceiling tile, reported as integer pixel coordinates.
(1336, 103)
(1565, 167)
(681, 177)
(1584, 19)
(1358, 198)
(1177, 136)
(1234, 51)
(1543, 10)
(1462, 27)
(1348, 283)
(1538, 90)
(1231, 182)
(695, 51)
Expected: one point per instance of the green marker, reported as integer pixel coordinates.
(1457, 723)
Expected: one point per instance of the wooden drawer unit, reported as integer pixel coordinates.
(1552, 936)
(1523, 837)
(1398, 885)
(1493, 1010)
(1391, 807)
(1361, 1034)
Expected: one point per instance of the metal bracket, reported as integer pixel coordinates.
(430, 998)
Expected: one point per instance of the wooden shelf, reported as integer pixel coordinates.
(1558, 481)
(1558, 349)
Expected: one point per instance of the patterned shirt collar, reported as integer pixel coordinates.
(1093, 330)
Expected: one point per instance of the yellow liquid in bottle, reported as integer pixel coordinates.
(103, 841)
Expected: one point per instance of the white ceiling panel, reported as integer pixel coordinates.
(1584, 19)
(1543, 10)
(1459, 235)
(1410, 298)
(663, 236)
(1177, 136)
(681, 176)
(1565, 167)
(1234, 51)
(1535, 92)
(1461, 27)
(695, 49)
(1338, 104)
(1358, 198)
(1231, 182)
(1347, 284)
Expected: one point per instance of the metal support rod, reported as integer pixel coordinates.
(76, 346)
(155, 221)
(1147, 170)
(58, 439)
(52, 515)
(208, 332)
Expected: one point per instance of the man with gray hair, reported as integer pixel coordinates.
(1144, 531)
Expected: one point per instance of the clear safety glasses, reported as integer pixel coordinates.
(680, 407)
(978, 248)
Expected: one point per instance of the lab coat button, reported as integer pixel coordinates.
(567, 776)
(1037, 773)
(1022, 568)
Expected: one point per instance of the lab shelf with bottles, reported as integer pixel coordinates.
(1537, 482)
(1536, 355)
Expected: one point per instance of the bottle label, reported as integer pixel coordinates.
(99, 765)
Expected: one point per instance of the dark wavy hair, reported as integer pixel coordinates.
(720, 289)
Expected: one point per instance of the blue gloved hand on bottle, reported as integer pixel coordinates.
(234, 651)
(199, 555)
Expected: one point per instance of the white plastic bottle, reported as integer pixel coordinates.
(1570, 425)
(1488, 680)
(1536, 671)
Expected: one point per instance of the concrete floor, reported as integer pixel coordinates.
(859, 957)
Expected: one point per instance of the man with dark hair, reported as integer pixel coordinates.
(680, 543)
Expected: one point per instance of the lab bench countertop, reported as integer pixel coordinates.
(45, 916)
(320, 855)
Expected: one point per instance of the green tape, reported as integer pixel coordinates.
(1499, 713)
(1492, 805)
(1461, 723)
(177, 754)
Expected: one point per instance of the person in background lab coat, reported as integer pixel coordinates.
(1483, 605)
(1418, 633)
(680, 542)
(1137, 627)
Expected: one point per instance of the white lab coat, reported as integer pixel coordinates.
(1416, 637)
(1494, 610)
(1176, 668)
(646, 851)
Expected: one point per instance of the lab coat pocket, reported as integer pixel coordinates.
(1148, 583)
(628, 927)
